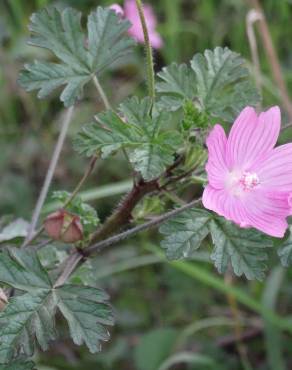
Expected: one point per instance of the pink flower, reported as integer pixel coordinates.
(250, 181)
(131, 13)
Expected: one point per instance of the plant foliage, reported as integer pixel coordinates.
(29, 318)
(18, 365)
(183, 234)
(81, 55)
(150, 148)
(243, 250)
(217, 81)
(285, 250)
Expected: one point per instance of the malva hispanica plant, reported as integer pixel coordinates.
(246, 181)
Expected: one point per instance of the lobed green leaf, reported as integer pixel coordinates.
(22, 270)
(86, 314)
(217, 81)
(29, 318)
(150, 148)
(285, 250)
(81, 55)
(19, 365)
(244, 248)
(177, 84)
(184, 234)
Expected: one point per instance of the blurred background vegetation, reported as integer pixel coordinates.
(165, 313)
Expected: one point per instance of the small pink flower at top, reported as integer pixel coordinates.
(118, 9)
(250, 181)
(131, 13)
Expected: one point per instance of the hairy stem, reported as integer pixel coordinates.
(123, 213)
(135, 230)
(101, 93)
(78, 257)
(149, 54)
(49, 176)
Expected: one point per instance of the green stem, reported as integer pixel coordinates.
(82, 181)
(101, 92)
(149, 54)
(173, 197)
(49, 176)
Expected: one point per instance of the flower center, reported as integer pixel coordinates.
(249, 181)
(239, 182)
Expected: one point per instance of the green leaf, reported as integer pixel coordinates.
(30, 317)
(184, 233)
(107, 40)
(156, 149)
(19, 365)
(152, 158)
(86, 314)
(178, 83)
(26, 318)
(46, 77)
(107, 135)
(81, 54)
(137, 111)
(22, 270)
(218, 82)
(223, 88)
(149, 148)
(244, 248)
(285, 250)
(16, 229)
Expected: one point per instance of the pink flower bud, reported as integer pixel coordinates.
(64, 226)
(118, 9)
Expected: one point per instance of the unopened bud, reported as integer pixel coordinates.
(118, 9)
(3, 300)
(64, 226)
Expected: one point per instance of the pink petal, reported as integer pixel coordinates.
(216, 165)
(118, 9)
(252, 137)
(264, 211)
(150, 16)
(155, 40)
(136, 30)
(225, 204)
(275, 172)
(267, 211)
